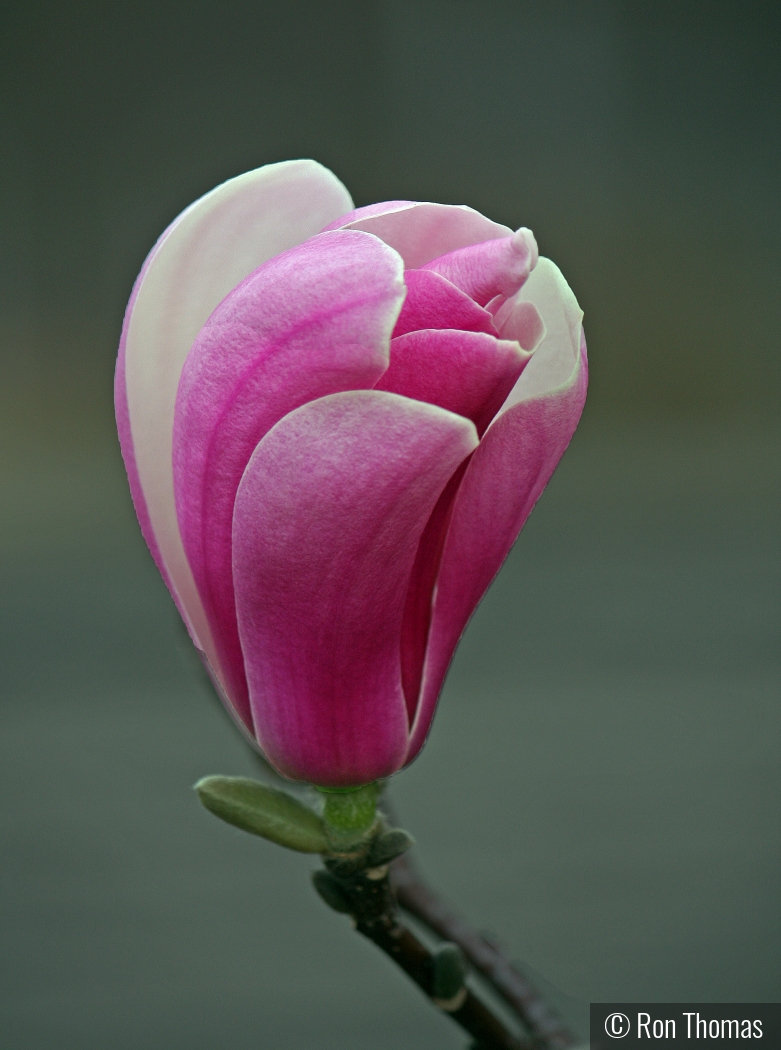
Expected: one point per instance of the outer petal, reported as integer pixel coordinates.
(422, 232)
(204, 253)
(506, 476)
(327, 522)
(312, 321)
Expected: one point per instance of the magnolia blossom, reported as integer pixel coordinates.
(335, 422)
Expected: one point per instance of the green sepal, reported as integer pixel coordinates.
(264, 811)
(350, 809)
(449, 971)
(331, 891)
(349, 815)
(388, 845)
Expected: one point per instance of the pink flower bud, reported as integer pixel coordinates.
(335, 423)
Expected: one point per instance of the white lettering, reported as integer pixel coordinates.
(657, 1029)
(616, 1025)
(699, 1028)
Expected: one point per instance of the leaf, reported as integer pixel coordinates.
(264, 811)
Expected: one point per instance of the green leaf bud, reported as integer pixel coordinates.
(331, 891)
(449, 970)
(388, 845)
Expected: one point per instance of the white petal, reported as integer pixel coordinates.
(212, 246)
(557, 358)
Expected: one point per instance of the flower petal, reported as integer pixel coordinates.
(551, 367)
(465, 372)
(495, 267)
(521, 320)
(433, 302)
(312, 321)
(204, 253)
(469, 373)
(365, 212)
(505, 478)
(417, 608)
(326, 526)
(422, 232)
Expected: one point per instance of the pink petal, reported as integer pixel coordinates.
(505, 477)
(465, 372)
(422, 232)
(204, 253)
(519, 319)
(433, 302)
(496, 267)
(469, 373)
(313, 321)
(417, 609)
(327, 522)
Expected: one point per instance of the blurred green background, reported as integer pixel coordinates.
(602, 785)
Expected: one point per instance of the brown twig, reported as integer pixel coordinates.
(420, 901)
(369, 898)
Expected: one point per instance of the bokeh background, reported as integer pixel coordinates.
(602, 786)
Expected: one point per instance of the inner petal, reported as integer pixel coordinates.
(434, 302)
(496, 267)
(419, 604)
(520, 320)
(367, 212)
(469, 373)
(423, 231)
